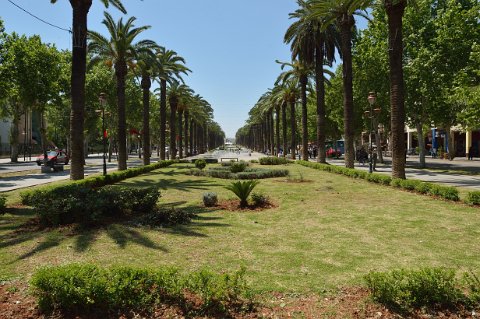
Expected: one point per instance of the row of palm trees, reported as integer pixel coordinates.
(321, 28)
(149, 61)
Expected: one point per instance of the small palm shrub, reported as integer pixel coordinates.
(210, 199)
(200, 163)
(242, 189)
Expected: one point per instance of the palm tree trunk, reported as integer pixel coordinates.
(277, 128)
(272, 133)
(395, 10)
(303, 83)
(284, 127)
(180, 133)
(292, 127)
(186, 131)
(14, 135)
(79, 66)
(191, 137)
(320, 90)
(121, 72)
(172, 124)
(163, 117)
(346, 23)
(146, 84)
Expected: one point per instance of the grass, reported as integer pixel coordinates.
(325, 232)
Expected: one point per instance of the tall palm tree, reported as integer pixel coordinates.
(395, 11)
(287, 95)
(301, 72)
(121, 52)
(313, 45)
(341, 12)
(175, 93)
(170, 67)
(146, 65)
(80, 10)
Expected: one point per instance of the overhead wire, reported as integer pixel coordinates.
(40, 19)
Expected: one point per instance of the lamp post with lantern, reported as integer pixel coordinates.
(103, 102)
(371, 114)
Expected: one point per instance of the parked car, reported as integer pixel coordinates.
(54, 157)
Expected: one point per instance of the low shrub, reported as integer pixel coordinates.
(378, 179)
(473, 198)
(445, 192)
(242, 189)
(200, 163)
(260, 200)
(248, 173)
(405, 289)
(210, 199)
(237, 167)
(80, 204)
(81, 288)
(164, 217)
(272, 160)
(472, 282)
(3, 202)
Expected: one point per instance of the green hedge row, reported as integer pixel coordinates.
(81, 288)
(272, 160)
(82, 204)
(97, 181)
(248, 173)
(426, 287)
(445, 192)
(3, 202)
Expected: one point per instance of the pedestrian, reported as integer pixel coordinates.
(374, 160)
(470, 153)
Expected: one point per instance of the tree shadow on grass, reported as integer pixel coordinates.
(122, 234)
(174, 184)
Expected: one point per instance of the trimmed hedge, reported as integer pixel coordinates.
(97, 181)
(3, 201)
(248, 173)
(445, 192)
(426, 287)
(81, 204)
(272, 160)
(473, 198)
(82, 288)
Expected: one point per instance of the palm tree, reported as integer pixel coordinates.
(301, 72)
(121, 52)
(313, 45)
(287, 95)
(395, 11)
(146, 65)
(80, 10)
(175, 93)
(170, 66)
(341, 13)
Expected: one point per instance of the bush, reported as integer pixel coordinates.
(415, 288)
(260, 200)
(80, 204)
(81, 288)
(164, 217)
(3, 202)
(242, 189)
(272, 160)
(445, 192)
(473, 198)
(237, 167)
(210, 199)
(379, 179)
(200, 163)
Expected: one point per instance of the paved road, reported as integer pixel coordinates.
(94, 165)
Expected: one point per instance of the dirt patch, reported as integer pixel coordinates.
(234, 205)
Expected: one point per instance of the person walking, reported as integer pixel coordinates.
(470, 153)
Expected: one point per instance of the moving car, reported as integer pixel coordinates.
(54, 157)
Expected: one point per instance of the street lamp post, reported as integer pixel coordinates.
(371, 114)
(103, 102)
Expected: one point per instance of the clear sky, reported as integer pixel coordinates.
(230, 45)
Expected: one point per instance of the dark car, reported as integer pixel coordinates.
(54, 157)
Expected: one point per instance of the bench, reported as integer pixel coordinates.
(229, 158)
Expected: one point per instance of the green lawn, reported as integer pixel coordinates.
(325, 232)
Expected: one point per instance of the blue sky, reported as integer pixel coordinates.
(230, 45)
